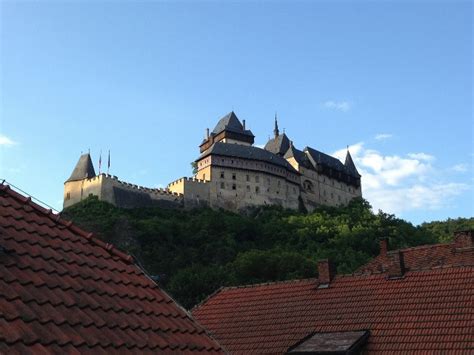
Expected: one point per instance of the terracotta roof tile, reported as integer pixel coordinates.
(427, 309)
(64, 291)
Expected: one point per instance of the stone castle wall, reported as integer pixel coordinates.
(119, 193)
(195, 191)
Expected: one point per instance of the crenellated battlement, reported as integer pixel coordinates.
(187, 179)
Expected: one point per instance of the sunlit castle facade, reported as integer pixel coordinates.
(233, 174)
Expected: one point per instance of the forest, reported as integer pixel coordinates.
(192, 253)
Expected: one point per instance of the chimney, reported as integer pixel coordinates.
(463, 239)
(383, 243)
(207, 133)
(243, 124)
(396, 269)
(326, 271)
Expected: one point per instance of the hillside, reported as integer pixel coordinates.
(192, 253)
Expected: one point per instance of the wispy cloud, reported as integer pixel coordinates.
(421, 156)
(460, 168)
(397, 184)
(383, 136)
(343, 106)
(6, 141)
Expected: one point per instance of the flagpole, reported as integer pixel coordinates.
(108, 163)
(100, 160)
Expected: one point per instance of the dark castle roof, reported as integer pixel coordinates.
(298, 155)
(231, 123)
(349, 163)
(319, 158)
(246, 152)
(84, 169)
(278, 145)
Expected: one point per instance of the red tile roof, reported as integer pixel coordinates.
(64, 291)
(425, 310)
(459, 252)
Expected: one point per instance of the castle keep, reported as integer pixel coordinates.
(233, 174)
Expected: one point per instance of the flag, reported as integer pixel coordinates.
(100, 160)
(108, 163)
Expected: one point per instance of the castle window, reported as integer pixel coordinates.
(248, 188)
(68, 196)
(222, 185)
(257, 189)
(233, 176)
(232, 162)
(248, 177)
(222, 174)
(234, 187)
(257, 178)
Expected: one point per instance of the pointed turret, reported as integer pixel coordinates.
(84, 169)
(276, 131)
(349, 164)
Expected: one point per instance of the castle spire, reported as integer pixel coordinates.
(276, 130)
(349, 163)
(84, 169)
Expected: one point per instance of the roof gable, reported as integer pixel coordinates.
(62, 290)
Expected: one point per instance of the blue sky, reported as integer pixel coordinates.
(144, 79)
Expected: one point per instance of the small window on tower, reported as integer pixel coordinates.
(222, 174)
(234, 187)
(68, 196)
(233, 176)
(248, 177)
(248, 188)
(257, 189)
(222, 185)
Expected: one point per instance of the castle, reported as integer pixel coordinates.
(233, 174)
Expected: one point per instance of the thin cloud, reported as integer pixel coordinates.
(421, 156)
(395, 183)
(383, 136)
(342, 106)
(6, 141)
(460, 168)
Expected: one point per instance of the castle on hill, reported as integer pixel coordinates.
(233, 174)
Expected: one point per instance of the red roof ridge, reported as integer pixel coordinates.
(66, 223)
(426, 246)
(227, 288)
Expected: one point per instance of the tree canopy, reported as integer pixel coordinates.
(192, 253)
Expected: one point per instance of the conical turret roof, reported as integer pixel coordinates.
(349, 163)
(84, 169)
